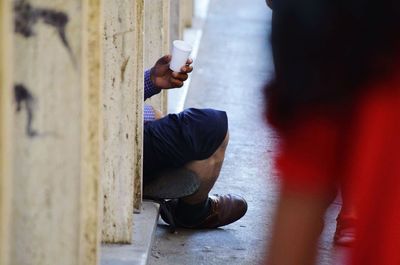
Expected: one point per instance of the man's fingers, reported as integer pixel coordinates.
(180, 76)
(186, 69)
(176, 82)
(164, 60)
(189, 61)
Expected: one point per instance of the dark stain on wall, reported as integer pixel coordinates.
(26, 17)
(24, 98)
(123, 68)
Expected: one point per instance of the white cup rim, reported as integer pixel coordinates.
(181, 45)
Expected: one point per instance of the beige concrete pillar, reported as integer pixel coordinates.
(5, 129)
(92, 71)
(122, 117)
(157, 17)
(175, 31)
(181, 17)
(186, 13)
(55, 156)
(139, 96)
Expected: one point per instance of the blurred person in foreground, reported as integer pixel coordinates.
(335, 101)
(344, 233)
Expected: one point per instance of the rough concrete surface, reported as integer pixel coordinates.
(142, 234)
(233, 63)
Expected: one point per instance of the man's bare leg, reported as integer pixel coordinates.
(208, 171)
(201, 210)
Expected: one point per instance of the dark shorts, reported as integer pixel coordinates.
(176, 139)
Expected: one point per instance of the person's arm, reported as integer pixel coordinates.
(161, 77)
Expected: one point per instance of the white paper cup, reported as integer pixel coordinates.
(180, 53)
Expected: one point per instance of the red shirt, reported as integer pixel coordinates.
(362, 148)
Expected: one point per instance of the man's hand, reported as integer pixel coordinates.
(164, 78)
(158, 114)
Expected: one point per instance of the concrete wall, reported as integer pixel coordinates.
(176, 27)
(71, 125)
(186, 13)
(92, 71)
(157, 42)
(50, 210)
(122, 116)
(5, 126)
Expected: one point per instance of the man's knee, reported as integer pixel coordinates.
(225, 142)
(219, 154)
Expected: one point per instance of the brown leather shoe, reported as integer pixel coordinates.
(225, 209)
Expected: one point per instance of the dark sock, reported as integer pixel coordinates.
(191, 214)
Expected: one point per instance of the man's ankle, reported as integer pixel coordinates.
(189, 213)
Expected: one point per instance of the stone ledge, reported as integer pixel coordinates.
(144, 227)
